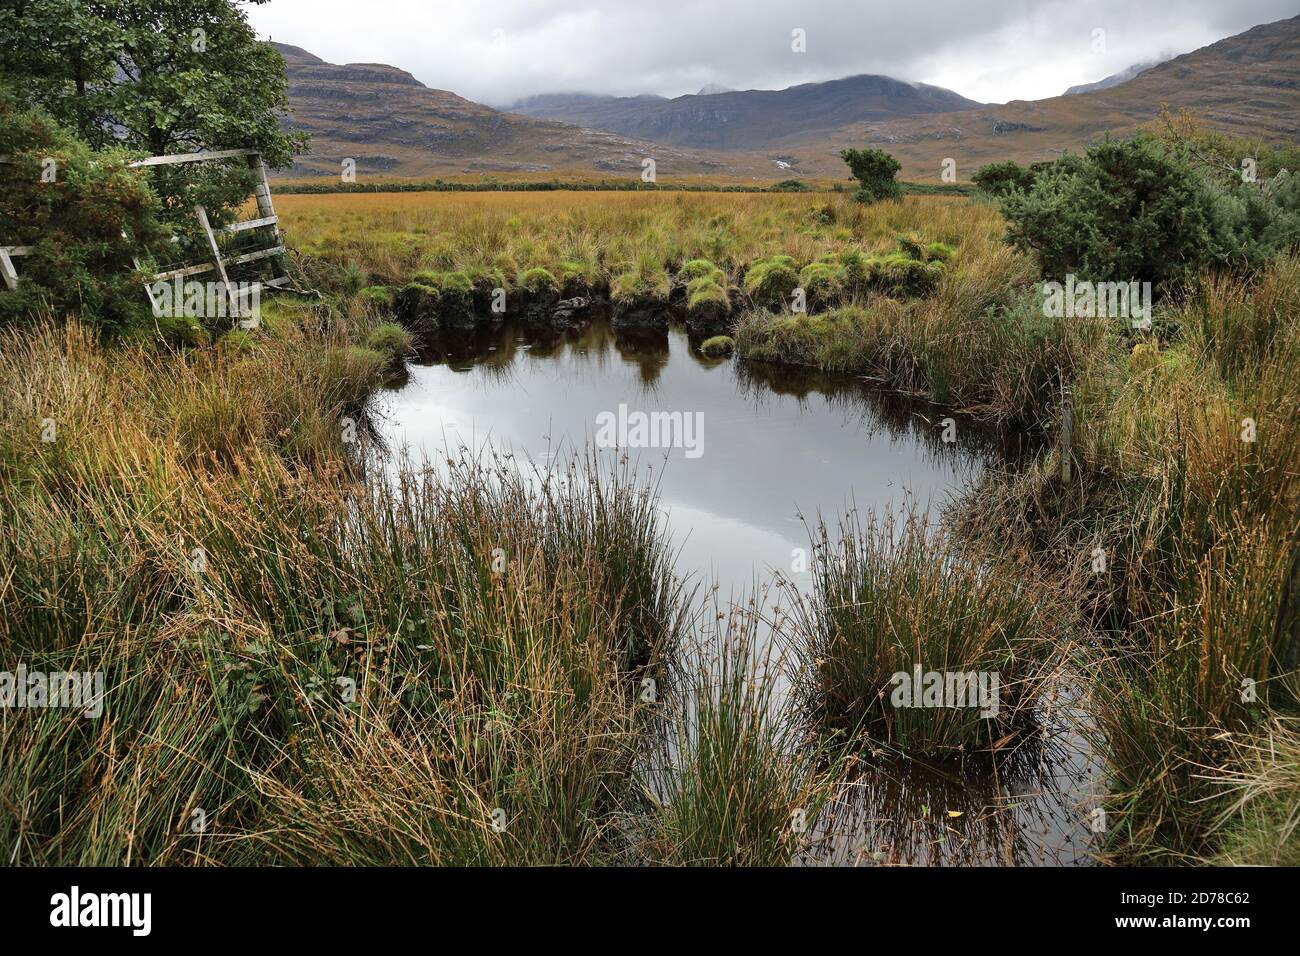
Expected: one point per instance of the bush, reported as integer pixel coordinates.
(1139, 210)
(85, 227)
(999, 179)
(875, 170)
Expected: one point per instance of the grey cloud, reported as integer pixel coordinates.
(497, 51)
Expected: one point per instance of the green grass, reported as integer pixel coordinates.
(717, 346)
(730, 780)
(443, 669)
(892, 596)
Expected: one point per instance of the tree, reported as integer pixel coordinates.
(156, 76)
(874, 169)
(161, 76)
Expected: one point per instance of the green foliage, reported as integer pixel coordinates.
(157, 77)
(901, 276)
(1139, 210)
(823, 281)
(647, 280)
(706, 285)
(697, 269)
(999, 179)
(875, 170)
(446, 283)
(537, 280)
(85, 225)
(380, 295)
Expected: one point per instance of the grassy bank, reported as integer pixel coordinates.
(305, 666)
(1177, 540)
(632, 247)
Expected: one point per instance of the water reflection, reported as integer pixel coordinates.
(780, 446)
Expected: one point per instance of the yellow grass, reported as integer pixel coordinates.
(394, 235)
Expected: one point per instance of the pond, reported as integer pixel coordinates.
(750, 457)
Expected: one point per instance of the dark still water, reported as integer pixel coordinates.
(756, 449)
(746, 455)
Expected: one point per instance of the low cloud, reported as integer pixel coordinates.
(498, 51)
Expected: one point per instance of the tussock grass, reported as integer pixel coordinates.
(1197, 528)
(730, 779)
(977, 343)
(328, 670)
(893, 595)
(626, 241)
(1261, 823)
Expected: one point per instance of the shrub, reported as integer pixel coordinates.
(999, 179)
(875, 170)
(1139, 210)
(86, 227)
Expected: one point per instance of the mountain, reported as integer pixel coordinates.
(1115, 79)
(710, 89)
(1244, 85)
(391, 124)
(749, 119)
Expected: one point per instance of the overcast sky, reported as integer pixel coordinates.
(496, 51)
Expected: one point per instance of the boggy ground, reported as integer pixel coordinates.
(298, 654)
(456, 260)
